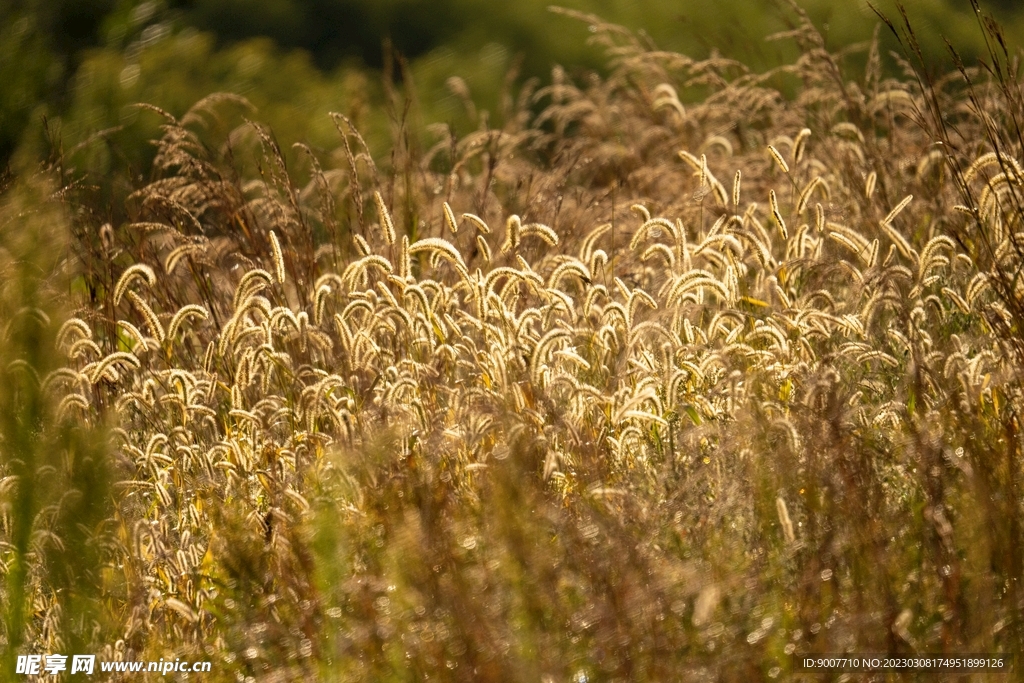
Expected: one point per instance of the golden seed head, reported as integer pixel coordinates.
(778, 159)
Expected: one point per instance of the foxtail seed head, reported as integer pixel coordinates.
(778, 159)
(387, 227)
(275, 248)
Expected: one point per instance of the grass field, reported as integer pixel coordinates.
(623, 389)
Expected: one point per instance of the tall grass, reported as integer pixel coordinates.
(623, 390)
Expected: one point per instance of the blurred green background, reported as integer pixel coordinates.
(80, 64)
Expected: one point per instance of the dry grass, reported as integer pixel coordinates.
(559, 401)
